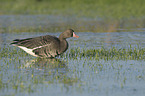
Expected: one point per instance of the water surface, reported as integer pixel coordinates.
(23, 74)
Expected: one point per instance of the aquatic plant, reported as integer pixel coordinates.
(107, 54)
(74, 53)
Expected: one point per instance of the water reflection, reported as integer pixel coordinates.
(50, 71)
(42, 63)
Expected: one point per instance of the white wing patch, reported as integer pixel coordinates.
(30, 51)
(40, 46)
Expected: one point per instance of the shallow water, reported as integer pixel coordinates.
(27, 75)
(88, 39)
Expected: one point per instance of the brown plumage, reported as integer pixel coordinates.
(45, 46)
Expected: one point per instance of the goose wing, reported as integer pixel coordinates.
(43, 46)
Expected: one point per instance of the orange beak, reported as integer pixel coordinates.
(74, 35)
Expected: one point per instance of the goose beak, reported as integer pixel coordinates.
(74, 35)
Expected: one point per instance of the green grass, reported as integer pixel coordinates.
(90, 8)
(108, 54)
(75, 53)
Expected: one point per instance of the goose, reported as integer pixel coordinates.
(45, 46)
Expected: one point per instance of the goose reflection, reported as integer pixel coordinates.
(42, 63)
(50, 71)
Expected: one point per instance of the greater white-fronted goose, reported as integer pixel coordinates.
(45, 46)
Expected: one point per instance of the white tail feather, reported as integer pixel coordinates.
(30, 51)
